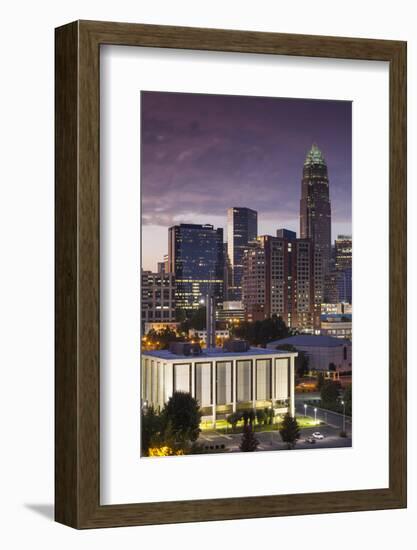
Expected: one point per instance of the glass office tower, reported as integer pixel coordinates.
(195, 256)
(242, 228)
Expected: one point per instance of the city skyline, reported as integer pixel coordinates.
(202, 154)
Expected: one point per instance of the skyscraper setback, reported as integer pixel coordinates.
(315, 210)
(242, 228)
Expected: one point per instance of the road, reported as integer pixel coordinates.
(334, 420)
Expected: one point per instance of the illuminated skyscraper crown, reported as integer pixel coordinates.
(314, 156)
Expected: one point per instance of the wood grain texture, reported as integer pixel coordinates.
(78, 285)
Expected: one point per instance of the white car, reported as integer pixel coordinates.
(318, 435)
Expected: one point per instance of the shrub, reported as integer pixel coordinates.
(249, 442)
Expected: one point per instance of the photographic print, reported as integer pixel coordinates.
(246, 275)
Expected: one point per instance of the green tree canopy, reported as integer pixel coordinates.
(347, 397)
(329, 393)
(259, 333)
(290, 430)
(320, 380)
(183, 415)
(151, 427)
(249, 443)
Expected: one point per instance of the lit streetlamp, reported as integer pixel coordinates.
(305, 409)
(315, 415)
(344, 418)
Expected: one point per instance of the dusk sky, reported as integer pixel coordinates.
(201, 154)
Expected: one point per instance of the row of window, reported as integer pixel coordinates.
(270, 380)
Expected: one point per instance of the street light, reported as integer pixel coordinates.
(315, 415)
(344, 421)
(305, 409)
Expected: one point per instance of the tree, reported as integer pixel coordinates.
(249, 443)
(290, 430)
(151, 427)
(329, 393)
(320, 380)
(160, 339)
(347, 398)
(260, 416)
(261, 332)
(183, 415)
(233, 419)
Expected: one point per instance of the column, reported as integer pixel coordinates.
(253, 382)
(214, 392)
(193, 379)
(234, 385)
(292, 383)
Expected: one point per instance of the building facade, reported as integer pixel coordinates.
(337, 326)
(283, 277)
(325, 354)
(315, 210)
(221, 381)
(242, 228)
(158, 297)
(231, 313)
(195, 256)
(163, 266)
(343, 252)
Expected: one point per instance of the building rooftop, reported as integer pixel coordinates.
(215, 353)
(314, 156)
(310, 340)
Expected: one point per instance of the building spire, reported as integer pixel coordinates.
(314, 156)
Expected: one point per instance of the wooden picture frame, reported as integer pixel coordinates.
(77, 404)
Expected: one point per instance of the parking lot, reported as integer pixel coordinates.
(271, 441)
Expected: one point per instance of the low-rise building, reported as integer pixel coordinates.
(158, 297)
(202, 334)
(221, 381)
(338, 326)
(232, 312)
(325, 353)
(340, 308)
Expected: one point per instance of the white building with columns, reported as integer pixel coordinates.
(221, 381)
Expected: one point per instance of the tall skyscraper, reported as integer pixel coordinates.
(315, 211)
(195, 256)
(283, 276)
(343, 252)
(242, 228)
(343, 267)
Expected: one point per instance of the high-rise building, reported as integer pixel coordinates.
(283, 276)
(315, 211)
(163, 266)
(242, 228)
(338, 282)
(195, 256)
(286, 234)
(343, 252)
(158, 297)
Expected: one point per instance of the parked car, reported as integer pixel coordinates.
(310, 440)
(318, 435)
